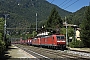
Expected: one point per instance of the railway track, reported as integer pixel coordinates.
(50, 53)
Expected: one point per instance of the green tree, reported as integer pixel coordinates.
(70, 32)
(1, 24)
(54, 20)
(2, 43)
(85, 28)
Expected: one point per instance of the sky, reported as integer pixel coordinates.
(70, 5)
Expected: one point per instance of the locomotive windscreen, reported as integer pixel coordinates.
(60, 37)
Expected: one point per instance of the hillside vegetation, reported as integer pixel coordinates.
(23, 12)
(77, 17)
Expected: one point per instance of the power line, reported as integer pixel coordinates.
(63, 2)
(71, 4)
(52, 1)
(20, 28)
(67, 3)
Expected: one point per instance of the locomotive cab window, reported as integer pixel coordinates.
(60, 37)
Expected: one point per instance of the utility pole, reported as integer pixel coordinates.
(36, 21)
(66, 32)
(5, 26)
(75, 26)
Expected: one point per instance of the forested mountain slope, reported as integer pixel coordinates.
(77, 17)
(23, 12)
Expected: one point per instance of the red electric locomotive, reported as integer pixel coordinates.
(52, 41)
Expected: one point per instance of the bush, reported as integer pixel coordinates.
(77, 44)
(2, 46)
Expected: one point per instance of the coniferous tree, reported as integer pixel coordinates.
(85, 28)
(54, 20)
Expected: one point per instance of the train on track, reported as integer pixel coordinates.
(49, 41)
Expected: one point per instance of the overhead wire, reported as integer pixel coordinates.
(71, 4)
(66, 3)
(52, 1)
(63, 2)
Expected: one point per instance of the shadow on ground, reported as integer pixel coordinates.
(5, 54)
